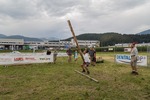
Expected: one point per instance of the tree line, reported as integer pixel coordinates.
(111, 38)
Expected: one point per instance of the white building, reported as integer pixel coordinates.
(55, 44)
(122, 45)
(11, 41)
(12, 44)
(18, 44)
(86, 43)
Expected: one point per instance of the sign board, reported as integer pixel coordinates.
(126, 59)
(110, 49)
(9, 58)
(127, 49)
(62, 55)
(27, 58)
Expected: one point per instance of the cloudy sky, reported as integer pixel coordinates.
(48, 18)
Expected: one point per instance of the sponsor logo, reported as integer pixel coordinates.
(45, 58)
(18, 59)
(125, 57)
(5, 59)
(29, 58)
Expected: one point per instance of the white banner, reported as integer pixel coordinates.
(127, 49)
(122, 58)
(110, 49)
(62, 55)
(7, 59)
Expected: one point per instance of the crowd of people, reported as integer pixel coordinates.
(89, 58)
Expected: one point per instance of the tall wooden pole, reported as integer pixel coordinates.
(75, 39)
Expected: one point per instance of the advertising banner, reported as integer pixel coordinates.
(7, 59)
(126, 59)
(62, 55)
(127, 49)
(27, 58)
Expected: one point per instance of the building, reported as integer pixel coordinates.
(63, 44)
(87, 43)
(20, 44)
(122, 45)
(11, 44)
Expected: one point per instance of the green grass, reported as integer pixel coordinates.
(60, 82)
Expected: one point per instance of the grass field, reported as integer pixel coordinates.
(60, 81)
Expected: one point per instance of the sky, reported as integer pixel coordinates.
(48, 18)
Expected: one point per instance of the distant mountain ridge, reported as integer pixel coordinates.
(19, 37)
(27, 38)
(2, 36)
(144, 32)
(106, 39)
(49, 39)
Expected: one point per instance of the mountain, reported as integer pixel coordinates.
(22, 37)
(2, 36)
(19, 37)
(144, 32)
(106, 39)
(112, 38)
(86, 36)
(49, 39)
(28, 38)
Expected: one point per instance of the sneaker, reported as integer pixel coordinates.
(83, 70)
(136, 73)
(88, 72)
(132, 72)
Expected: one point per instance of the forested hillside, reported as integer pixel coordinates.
(114, 38)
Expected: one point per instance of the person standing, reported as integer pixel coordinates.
(69, 53)
(48, 52)
(75, 55)
(86, 62)
(55, 56)
(134, 55)
(92, 54)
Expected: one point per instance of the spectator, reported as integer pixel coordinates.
(92, 54)
(55, 56)
(48, 52)
(134, 54)
(75, 55)
(69, 53)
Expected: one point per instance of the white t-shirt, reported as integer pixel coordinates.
(86, 57)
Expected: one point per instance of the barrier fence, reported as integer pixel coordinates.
(27, 58)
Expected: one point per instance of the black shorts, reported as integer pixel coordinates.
(93, 59)
(86, 63)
